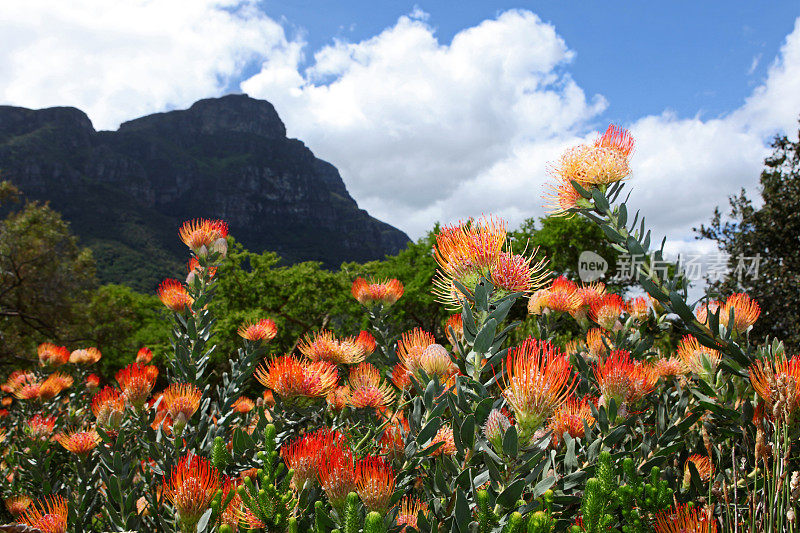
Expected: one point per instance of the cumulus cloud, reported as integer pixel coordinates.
(122, 59)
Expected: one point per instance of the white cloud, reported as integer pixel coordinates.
(121, 59)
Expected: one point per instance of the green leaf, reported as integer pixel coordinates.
(468, 431)
(429, 430)
(511, 442)
(508, 498)
(485, 337)
(543, 486)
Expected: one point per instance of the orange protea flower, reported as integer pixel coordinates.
(323, 346)
(703, 466)
(598, 164)
(671, 366)
(263, 330)
(411, 346)
(5, 402)
(623, 379)
(538, 302)
(194, 269)
(108, 407)
(515, 273)
(563, 296)
(40, 427)
(638, 308)
(191, 487)
(366, 390)
(588, 294)
(745, 312)
(401, 377)
(374, 483)
(617, 139)
(48, 515)
(303, 455)
(338, 398)
(697, 358)
(367, 342)
(606, 310)
(243, 405)
(182, 399)
(456, 324)
(17, 380)
(80, 442)
(685, 519)
(337, 475)
(296, 380)
(448, 443)
(173, 295)
(773, 380)
(435, 361)
(200, 233)
(569, 418)
(136, 381)
(28, 391)
(144, 355)
(537, 380)
(85, 356)
(707, 308)
(371, 293)
(92, 382)
(230, 516)
(392, 442)
(50, 354)
(17, 505)
(409, 511)
(595, 338)
(561, 195)
(54, 384)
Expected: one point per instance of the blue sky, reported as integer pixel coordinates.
(692, 57)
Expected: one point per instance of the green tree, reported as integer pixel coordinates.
(771, 232)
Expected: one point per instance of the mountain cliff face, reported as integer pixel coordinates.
(126, 192)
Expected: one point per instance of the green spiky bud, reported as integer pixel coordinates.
(219, 454)
(270, 434)
(514, 524)
(373, 523)
(351, 514)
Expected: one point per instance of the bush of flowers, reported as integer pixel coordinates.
(389, 431)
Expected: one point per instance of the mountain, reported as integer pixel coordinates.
(126, 192)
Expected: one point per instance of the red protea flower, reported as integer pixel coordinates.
(515, 273)
(85, 356)
(52, 355)
(618, 139)
(596, 341)
(454, 326)
(263, 330)
(409, 511)
(144, 355)
(401, 377)
(3, 413)
(18, 379)
(40, 427)
(562, 297)
(136, 381)
(411, 346)
(181, 399)
(190, 489)
(194, 269)
(367, 342)
(80, 442)
(338, 398)
(561, 196)
(337, 475)
(92, 382)
(588, 294)
(623, 379)
(323, 346)
(708, 308)
(230, 515)
(773, 379)
(374, 483)
(697, 358)
(173, 295)
(54, 384)
(303, 455)
(745, 312)
(606, 310)
(243, 405)
(448, 443)
(569, 418)
(669, 366)
(538, 379)
(703, 465)
(48, 515)
(17, 505)
(28, 391)
(392, 442)
(638, 308)
(685, 519)
(108, 407)
(298, 380)
(381, 292)
(202, 233)
(366, 389)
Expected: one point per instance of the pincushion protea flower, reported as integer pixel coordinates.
(243, 405)
(52, 355)
(136, 382)
(28, 391)
(685, 519)
(401, 377)
(54, 384)
(190, 488)
(596, 340)
(338, 398)
(39, 426)
(80, 442)
(561, 297)
(92, 382)
(411, 346)
(606, 310)
(263, 330)
(194, 269)
(448, 443)
(697, 358)
(303, 455)
(392, 442)
(435, 361)
(296, 380)
(454, 329)
(337, 475)
(623, 379)
(381, 292)
(366, 389)
(708, 308)
(144, 355)
(202, 233)
(374, 483)
(588, 294)
(516, 273)
(409, 511)
(537, 379)
(569, 418)
(703, 465)
(16, 505)
(669, 366)
(173, 295)
(745, 312)
(323, 346)
(108, 407)
(494, 429)
(85, 356)
(779, 379)
(638, 308)
(48, 515)
(181, 399)
(230, 516)
(367, 342)
(18, 379)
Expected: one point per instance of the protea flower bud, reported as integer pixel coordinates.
(495, 429)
